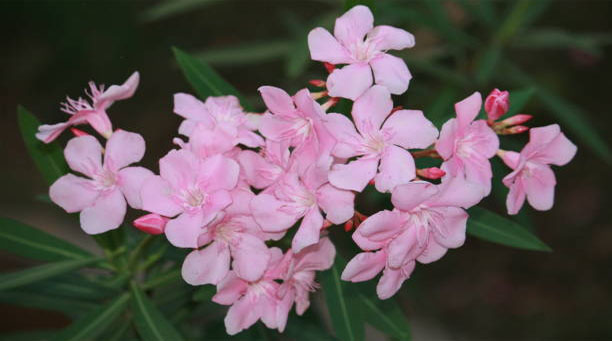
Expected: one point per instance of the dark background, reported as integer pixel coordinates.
(50, 49)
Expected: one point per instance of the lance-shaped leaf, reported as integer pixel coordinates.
(204, 79)
(492, 227)
(48, 158)
(344, 309)
(95, 322)
(37, 273)
(385, 315)
(32, 299)
(150, 322)
(29, 242)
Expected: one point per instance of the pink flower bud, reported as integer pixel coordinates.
(432, 173)
(78, 132)
(151, 223)
(514, 130)
(330, 103)
(317, 82)
(496, 104)
(516, 119)
(329, 67)
(318, 95)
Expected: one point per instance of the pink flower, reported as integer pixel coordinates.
(467, 145)
(251, 301)
(532, 176)
(298, 196)
(375, 141)
(101, 199)
(223, 113)
(428, 219)
(497, 104)
(94, 114)
(194, 189)
(296, 122)
(299, 279)
(363, 57)
(266, 167)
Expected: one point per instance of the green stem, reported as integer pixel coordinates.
(140, 248)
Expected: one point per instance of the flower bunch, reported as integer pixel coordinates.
(238, 181)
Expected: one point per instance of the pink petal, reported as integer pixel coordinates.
(432, 252)
(230, 289)
(391, 280)
(457, 191)
(410, 129)
(73, 193)
(192, 108)
(258, 172)
(119, 92)
(391, 72)
(277, 100)
(540, 188)
(325, 48)
(452, 233)
(516, 197)
(355, 175)
(407, 197)
(367, 244)
(337, 204)
(445, 146)
(249, 138)
(49, 132)
(385, 37)
(353, 25)
(309, 230)
(487, 140)
(122, 149)
(347, 138)
(350, 81)
(381, 226)
(184, 230)
(205, 142)
(396, 168)
(277, 128)
(250, 257)
(241, 315)
(401, 247)
(156, 195)
(364, 266)
(218, 173)
(84, 155)
(179, 168)
(215, 203)
(511, 159)
(106, 213)
(269, 214)
(468, 109)
(131, 180)
(207, 266)
(316, 257)
(554, 147)
(371, 109)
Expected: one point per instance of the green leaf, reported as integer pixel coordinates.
(48, 158)
(95, 322)
(343, 308)
(300, 329)
(556, 38)
(487, 63)
(29, 242)
(204, 79)
(27, 298)
(35, 335)
(169, 8)
(37, 273)
(386, 316)
(441, 108)
(247, 53)
(492, 227)
(71, 285)
(150, 322)
(204, 293)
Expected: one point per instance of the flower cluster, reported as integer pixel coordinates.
(238, 180)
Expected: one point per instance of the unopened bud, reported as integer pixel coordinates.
(318, 95)
(78, 132)
(432, 173)
(151, 223)
(317, 82)
(516, 119)
(497, 104)
(326, 224)
(330, 103)
(329, 67)
(514, 130)
(348, 225)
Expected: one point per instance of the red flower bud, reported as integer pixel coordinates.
(329, 67)
(496, 104)
(514, 130)
(516, 119)
(317, 82)
(151, 223)
(78, 132)
(432, 173)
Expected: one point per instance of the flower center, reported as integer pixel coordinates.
(105, 179)
(427, 220)
(362, 50)
(374, 142)
(192, 197)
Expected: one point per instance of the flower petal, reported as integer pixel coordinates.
(385, 37)
(193, 109)
(343, 130)
(338, 205)
(72, 193)
(218, 173)
(432, 252)
(122, 149)
(371, 109)
(106, 213)
(364, 266)
(277, 100)
(396, 168)
(309, 230)
(131, 181)
(207, 266)
(452, 233)
(540, 188)
(184, 230)
(350, 81)
(353, 25)
(250, 256)
(391, 280)
(230, 289)
(468, 109)
(156, 195)
(355, 175)
(381, 226)
(391, 72)
(407, 197)
(325, 48)
(269, 214)
(410, 129)
(84, 155)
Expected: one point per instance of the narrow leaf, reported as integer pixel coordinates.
(48, 158)
(204, 79)
(386, 316)
(492, 227)
(169, 8)
(37, 273)
(95, 322)
(247, 54)
(29, 242)
(150, 322)
(26, 298)
(343, 308)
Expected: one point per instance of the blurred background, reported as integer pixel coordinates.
(558, 51)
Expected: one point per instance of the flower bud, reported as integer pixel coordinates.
(514, 130)
(516, 119)
(151, 223)
(330, 103)
(432, 173)
(317, 82)
(78, 132)
(329, 67)
(496, 104)
(318, 95)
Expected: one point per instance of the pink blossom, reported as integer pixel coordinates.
(497, 104)
(194, 189)
(101, 199)
(428, 219)
(296, 122)
(94, 114)
(297, 196)
(222, 113)
(266, 167)
(467, 145)
(363, 57)
(532, 177)
(375, 141)
(251, 301)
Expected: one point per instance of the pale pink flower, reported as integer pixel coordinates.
(101, 199)
(299, 278)
(428, 219)
(496, 104)
(251, 301)
(296, 122)
(194, 189)
(467, 145)
(94, 114)
(532, 177)
(223, 113)
(266, 167)
(363, 57)
(297, 196)
(380, 137)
